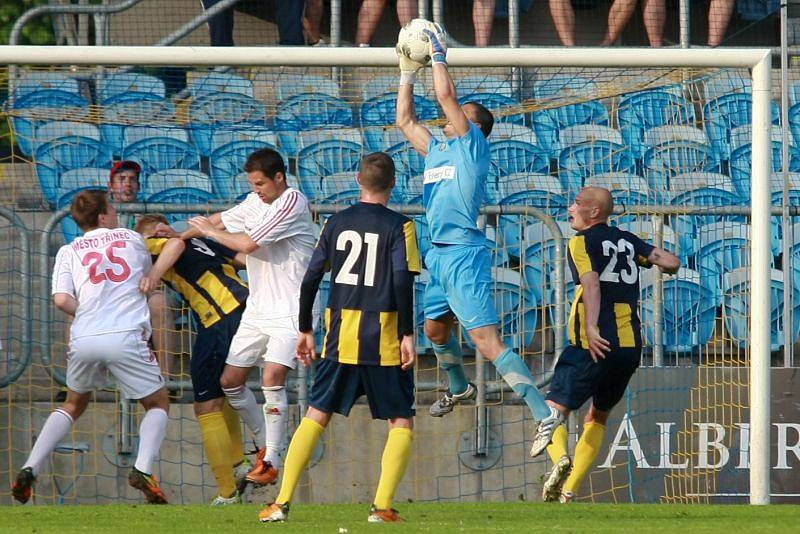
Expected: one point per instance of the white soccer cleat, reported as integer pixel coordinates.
(544, 432)
(551, 489)
(566, 497)
(274, 513)
(448, 401)
(219, 500)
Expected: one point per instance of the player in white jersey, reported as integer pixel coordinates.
(274, 227)
(96, 281)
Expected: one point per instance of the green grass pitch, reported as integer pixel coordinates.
(429, 517)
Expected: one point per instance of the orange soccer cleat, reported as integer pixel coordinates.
(147, 484)
(384, 516)
(264, 472)
(274, 513)
(23, 486)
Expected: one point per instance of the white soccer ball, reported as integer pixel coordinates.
(413, 43)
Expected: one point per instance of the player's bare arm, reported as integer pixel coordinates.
(206, 227)
(666, 261)
(598, 346)
(215, 220)
(406, 118)
(444, 88)
(170, 253)
(66, 303)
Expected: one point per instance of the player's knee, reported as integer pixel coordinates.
(159, 399)
(596, 416)
(436, 333)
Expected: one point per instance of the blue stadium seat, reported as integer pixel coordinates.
(581, 133)
(483, 84)
(73, 182)
(327, 158)
(65, 153)
(381, 110)
(503, 131)
(178, 186)
(248, 133)
(134, 134)
(538, 256)
(725, 113)
(340, 188)
(578, 162)
(126, 110)
(32, 109)
(512, 156)
(308, 138)
(736, 305)
(219, 82)
(157, 154)
(740, 166)
(742, 135)
(666, 160)
(309, 111)
(227, 162)
(548, 123)
(504, 108)
(548, 86)
(645, 230)
(419, 307)
(727, 81)
(550, 296)
(37, 80)
(688, 311)
(515, 330)
(423, 235)
(208, 113)
(640, 112)
(722, 247)
(289, 85)
(409, 165)
(700, 189)
(672, 133)
(626, 190)
(113, 84)
(48, 131)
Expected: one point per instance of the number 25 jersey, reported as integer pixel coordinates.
(102, 270)
(615, 255)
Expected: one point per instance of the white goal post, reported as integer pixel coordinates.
(757, 60)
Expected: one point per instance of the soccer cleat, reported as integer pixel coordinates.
(544, 432)
(566, 497)
(240, 474)
(147, 484)
(446, 404)
(384, 516)
(219, 500)
(551, 489)
(264, 472)
(274, 512)
(23, 486)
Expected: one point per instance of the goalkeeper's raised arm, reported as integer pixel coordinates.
(443, 85)
(406, 116)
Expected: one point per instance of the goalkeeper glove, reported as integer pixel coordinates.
(408, 68)
(438, 47)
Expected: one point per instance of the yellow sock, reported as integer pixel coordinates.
(393, 466)
(217, 444)
(585, 454)
(559, 448)
(235, 432)
(300, 450)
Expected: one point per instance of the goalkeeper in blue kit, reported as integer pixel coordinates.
(459, 261)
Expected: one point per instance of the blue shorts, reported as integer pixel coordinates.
(209, 353)
(577, 378)
(389, 389)
(460, 283)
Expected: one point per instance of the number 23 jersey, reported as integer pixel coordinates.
(102, 270)
(615, 255)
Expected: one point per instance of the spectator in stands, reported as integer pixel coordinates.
(312, 20)
(288, 14)
(370, 15)
(123, 186)
(482, 19)
(719, 15)
(654, 14)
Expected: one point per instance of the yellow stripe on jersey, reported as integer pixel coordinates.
(412, 250)
(622, 312)
(348, 336)
(327, 331)
(218, 292)
(577, 249)
(155, 245)
(205, 311)
(390, 345)
(573, 311)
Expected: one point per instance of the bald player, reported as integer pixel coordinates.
(605, 341)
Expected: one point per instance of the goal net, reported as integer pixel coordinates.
(669, 133)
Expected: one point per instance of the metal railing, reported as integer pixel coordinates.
(23, 260)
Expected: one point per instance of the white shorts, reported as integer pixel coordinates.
(124, 354)
(258, 342)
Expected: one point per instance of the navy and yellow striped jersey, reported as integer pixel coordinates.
(206, 278)
(616, 256)
(362, 247)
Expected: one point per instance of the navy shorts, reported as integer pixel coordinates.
(209, 353)
(577, 378)
(389, 389)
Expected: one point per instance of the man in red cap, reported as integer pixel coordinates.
(123, 186)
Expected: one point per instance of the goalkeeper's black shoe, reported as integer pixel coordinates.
(23, 486)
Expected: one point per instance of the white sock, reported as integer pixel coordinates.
(276, 410)
(151, 434)
(243, 401)
(57, 425)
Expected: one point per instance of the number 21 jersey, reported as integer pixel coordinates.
(615, 255)
(102, 270)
